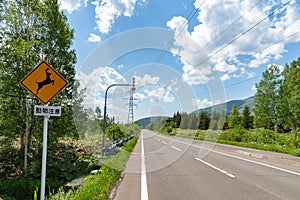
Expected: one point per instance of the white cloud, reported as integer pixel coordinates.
(219, 25)
(201, 103)
(139, 96)
(196, 66)
(155, 94)
(194, 76)
(107, 11)
(94, 38)
(97, 82)
(146, 80)
(253, 88)
(244, 73)
(121, 66)
(178, 24)
(169, 97)
(223, 66)
(72, 5)
(225, 77)
(265, 56)
(159, 93)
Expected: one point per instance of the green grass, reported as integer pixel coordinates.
(257, 139)
(266, 147)
(98, 186)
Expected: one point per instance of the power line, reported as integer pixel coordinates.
(232, 41)
(192, 14)
(279, 41)
(231, 85)
(242, 34)
(181, 29)
(230, 25)
(252, 78)
(249, 79)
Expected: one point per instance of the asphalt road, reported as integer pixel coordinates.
(163, 167)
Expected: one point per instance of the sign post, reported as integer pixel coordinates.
(44, 89)
(44, 158)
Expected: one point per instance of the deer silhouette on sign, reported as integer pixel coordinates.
(47, 81)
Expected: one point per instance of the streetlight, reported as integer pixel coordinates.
(104, 125)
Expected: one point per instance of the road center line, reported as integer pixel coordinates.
(164, 142)
(144, 187)
(176, 148)
(216, 168)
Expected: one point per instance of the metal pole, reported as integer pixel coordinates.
(104, 124)
(43, 180)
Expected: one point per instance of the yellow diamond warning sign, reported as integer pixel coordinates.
(44, 82)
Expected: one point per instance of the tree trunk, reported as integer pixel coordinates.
(26, 140)
(36, 147)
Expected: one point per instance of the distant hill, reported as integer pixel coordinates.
(228, 107)
(147, 120)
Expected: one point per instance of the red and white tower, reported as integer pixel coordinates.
(131, 102)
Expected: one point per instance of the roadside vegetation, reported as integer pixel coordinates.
(273, 124)
(99, 185)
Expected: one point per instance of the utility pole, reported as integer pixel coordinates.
(104, 125)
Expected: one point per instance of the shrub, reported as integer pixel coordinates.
(114, 132)
(267, 136)
(236, 134)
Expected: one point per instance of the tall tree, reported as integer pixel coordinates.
(289, 97)
(293, 82)
(265, 100)
(193, 121)
(214, 120)
(247, 119)
(203, 121)
(234, 117)
(177, 119)
(184, 121)
(32, 30)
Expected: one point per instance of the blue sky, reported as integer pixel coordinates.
(184, 54)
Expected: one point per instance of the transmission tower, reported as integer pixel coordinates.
(131, 103)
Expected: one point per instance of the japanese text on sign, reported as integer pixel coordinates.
(47, 110)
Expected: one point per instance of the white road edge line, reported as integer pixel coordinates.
(176, 148)
(164, 142)
(258, 163)
(216, 168)
(144, 187)
(244, 159)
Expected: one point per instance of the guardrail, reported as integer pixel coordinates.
(110, 148)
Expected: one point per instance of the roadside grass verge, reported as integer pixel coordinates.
(98, 186)
(266, 147)
(257, 139)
